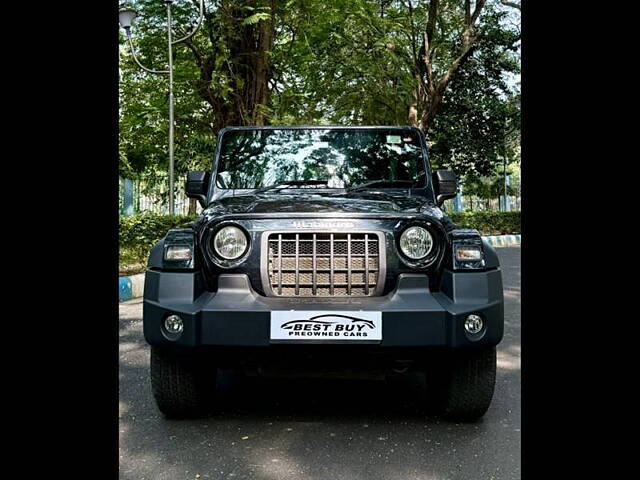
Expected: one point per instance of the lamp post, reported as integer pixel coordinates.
(505, 179)
(126, 17)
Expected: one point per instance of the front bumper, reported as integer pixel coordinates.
(412, 315)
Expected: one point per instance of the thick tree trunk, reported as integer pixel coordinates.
(192, 206)
(265, 42)
(247, 65)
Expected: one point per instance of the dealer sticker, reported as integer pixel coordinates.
(295, 325)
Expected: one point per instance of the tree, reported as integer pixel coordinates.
(448, 42)
(227, 62)
(232, 58)
(480, 115)
(220, 79)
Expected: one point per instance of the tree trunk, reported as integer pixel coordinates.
(265, 43)
(192, 206)
(247, 66)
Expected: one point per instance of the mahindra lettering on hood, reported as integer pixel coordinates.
(322, 326)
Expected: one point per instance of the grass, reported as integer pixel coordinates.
(129, 263)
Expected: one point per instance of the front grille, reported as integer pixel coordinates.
(323, 264)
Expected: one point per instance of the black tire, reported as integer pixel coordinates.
(183, 384)
(464, 389)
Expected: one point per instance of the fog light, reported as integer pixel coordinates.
(173, 324)
(473, 324)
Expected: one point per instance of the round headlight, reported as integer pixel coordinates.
(230, 243)
(416, 242)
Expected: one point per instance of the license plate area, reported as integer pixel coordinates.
(321, 326)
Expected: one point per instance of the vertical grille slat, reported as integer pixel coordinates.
(315, 267)
(366, 264)
(331, 264)
(349, 264)
(297, 264)
(309, 264)
(280, 267)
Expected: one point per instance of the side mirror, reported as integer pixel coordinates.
(198, 186)
(445, 184)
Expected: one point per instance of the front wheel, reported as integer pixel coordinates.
(183, 384)
(464, 388)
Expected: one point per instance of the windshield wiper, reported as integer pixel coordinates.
(290, 183)
(380, 183)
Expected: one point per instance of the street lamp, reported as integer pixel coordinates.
(126, 18)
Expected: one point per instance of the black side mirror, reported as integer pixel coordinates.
(445, 184)
(198, 186)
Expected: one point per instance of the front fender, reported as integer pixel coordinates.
(490, 256)
(155, 255)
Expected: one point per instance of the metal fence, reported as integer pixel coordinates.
(469, 203)
(137, 197)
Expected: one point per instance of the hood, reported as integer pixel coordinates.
(355, 202)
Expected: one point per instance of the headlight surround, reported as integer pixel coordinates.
(416, 242)
(230, 243)
(467, 249)
(179, 249)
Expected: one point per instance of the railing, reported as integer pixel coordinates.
(468, 203)
(136, 196)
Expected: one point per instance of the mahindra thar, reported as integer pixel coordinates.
(323, 249)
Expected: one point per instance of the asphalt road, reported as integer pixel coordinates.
(277, 429)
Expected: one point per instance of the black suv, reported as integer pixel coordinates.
(323, 249)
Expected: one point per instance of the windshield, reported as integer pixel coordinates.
(334, 158)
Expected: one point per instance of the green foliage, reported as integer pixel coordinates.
(480, 112)
(488, 223)
(492, 187)
(345, 62)
(255, 18)
(138, 233)
(144, 103)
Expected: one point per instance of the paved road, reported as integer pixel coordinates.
(320, 429)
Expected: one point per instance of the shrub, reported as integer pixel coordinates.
(138, 233)
(488, 223)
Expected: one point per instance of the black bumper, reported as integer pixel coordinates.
(412, 315)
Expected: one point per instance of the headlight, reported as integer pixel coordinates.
(416, 242)
(230, 243)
